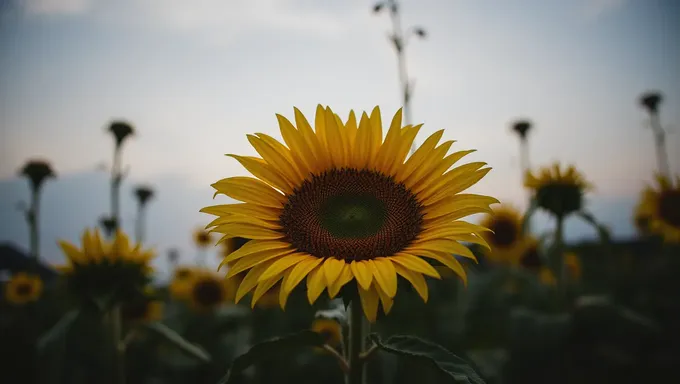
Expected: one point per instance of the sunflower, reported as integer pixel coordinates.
(270, 299)
(232, 244)
(144, 310)
(202, 238)
(530, 257)
(207, 291)
(572, 263)
(662, 208)
(330, 330)
(560, 193)
(106, 269)
(506, 236)
(23, 288)
(181, 282)
(340, 204)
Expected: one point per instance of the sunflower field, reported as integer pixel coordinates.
(353, 252)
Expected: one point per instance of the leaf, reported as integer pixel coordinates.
(271, 348)
(601, 230)
(178, 341)
(58, 330)
(419, 349)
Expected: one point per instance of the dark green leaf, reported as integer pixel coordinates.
(272, 348)
(178, 341)
(419, 349)
(58, 330)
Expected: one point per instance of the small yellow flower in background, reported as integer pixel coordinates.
(207, 291)
(559, 192)
(573, 265)
(546, 276)
(338, 203)
(101, 267)
(330, 330)
(23, 288)
(661, 206)
(202, 238)
(529, 257)
(506, 238)
(180, 286)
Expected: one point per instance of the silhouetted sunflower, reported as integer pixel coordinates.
(560, 193)
(106, 269)
(662, 207)
(23, 288)
(202, 238)
(207, 291)
(506, 234)
(340, 204)
(331, 331)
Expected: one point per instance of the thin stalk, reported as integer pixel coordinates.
(115, 188)
(660, 144)
(560, 270)
(116, 325)
(524, 165)
(34, 214)
(358, 329)
(139, 225)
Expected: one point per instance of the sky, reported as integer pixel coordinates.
(195, 77)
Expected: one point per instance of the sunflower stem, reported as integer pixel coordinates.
(358, 328)
(558, 255)
(116, 325)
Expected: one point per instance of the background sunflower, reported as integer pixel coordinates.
(661, 208)
(23, 288)
(558, 192)
(506, 237)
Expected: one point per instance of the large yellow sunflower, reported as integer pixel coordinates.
(115, 269)
(506, 237)
(661, 206)
(23, 288)
(559, 192)
(338, 204)
(232, 244)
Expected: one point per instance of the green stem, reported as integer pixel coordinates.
(358, 327)
(34, 213)
(116, 325)
(558, 262)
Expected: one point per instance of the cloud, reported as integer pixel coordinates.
(56, 7)
(594, 9)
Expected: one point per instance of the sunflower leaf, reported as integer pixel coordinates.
(601, 230)
(178, 341)
(271, 348)
(58, 330)
(434, 354)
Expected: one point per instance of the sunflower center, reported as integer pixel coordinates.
(208, 293)
(531, 260)
(669, 207)
(560, 198)
(24, 289)
(504, 232)
(351, 215)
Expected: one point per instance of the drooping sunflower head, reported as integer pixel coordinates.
(23, 288)
(101, 268)
(661, 207)
(530, 257)
(37, 171)
(338, 203)
(207, 291)
(505, 237)
(330, 330)
(202, 238)
(559, 192)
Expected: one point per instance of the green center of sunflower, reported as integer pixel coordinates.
(531, 259)
(669, 207)
(560, 199)
(505, 232)
(24, 289)
(207, 293)
(351, 215)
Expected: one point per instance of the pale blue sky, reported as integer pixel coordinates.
(195, 77)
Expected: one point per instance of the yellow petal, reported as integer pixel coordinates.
(446, 180)
(332, 268)
(316, 282)
(458, 185)
(256, 258)
(389, 147)
(282, 264)
(320, 127)
(345, 277)
(277, 155)
(250, 190)
(403, 147)
(369, 302)
(71, 251)
(429, 178)
(250, 280)
(416, 279)
(385, 275)
(255, 246)
(385, 299)
(311, 139)
(449, 261)
(299, 272)
(362, 273)
(442, 245)
(449, 204)
(248, 231)
(351, 129)
(334, 141)
(364, 143)
(376, 132)
(450, 230)
(415, 264)
(265, 172)
(244, 209)
(296, 142)
(419, 156)
(263, 287)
